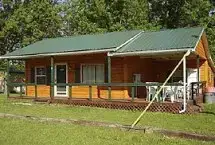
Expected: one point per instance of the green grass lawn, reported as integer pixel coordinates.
(23, 132)
(203, 123)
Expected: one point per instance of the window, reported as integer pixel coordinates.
(40, 75)
(93, 73)
(176, 77)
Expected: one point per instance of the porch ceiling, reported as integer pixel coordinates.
(170, 56)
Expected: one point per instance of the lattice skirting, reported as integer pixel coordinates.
(124, 105)
(155, 107)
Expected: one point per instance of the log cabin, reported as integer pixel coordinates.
(128, 65)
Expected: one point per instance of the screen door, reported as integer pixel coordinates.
(61, 78)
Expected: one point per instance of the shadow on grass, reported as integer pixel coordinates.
(208, 112)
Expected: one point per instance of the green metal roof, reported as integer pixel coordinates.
(181, 38)
(76, 43)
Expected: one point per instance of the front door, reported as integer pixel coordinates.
(61, 78)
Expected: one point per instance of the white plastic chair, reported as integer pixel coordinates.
(151, 90)
(169, 93)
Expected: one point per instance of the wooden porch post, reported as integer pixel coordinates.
(197, 65)
(198, 79)
(109, 77)
(52, 78)
(26, 80)
(7, 89)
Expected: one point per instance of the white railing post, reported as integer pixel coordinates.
(185, 85)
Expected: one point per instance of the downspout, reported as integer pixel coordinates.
(185, 83)
(157, 92)
(184, 75)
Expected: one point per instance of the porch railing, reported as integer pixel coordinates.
(90, 85)
(198, 91)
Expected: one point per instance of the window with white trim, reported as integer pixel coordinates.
(40, 75)
(92, 73)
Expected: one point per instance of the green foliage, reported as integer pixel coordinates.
(185, 13)
(196, 13)
(75, 19)
(83, 17)
(29, 22)
(165, 12)
(23, 23)
(191, 16)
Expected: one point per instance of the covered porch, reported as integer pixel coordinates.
(127, 78)
(164, 67)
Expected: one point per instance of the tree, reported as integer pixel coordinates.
(165, 12)
(185, 13)
(196, 13)
(75, 18)
(23, 22)
(83, 17)
(128, 14)
(29, 22)
(7, 8)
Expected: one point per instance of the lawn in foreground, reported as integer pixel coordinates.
(23, 132)
(198, 123)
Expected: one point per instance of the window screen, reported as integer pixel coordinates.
(40, 75)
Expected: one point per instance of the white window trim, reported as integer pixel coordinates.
(82, 64)
(35, 74)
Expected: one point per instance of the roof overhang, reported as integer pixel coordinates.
(56, 54)
(113, 51)
(144, 53)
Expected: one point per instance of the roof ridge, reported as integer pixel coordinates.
(91, 34)
(129, 41)
(172, 29)
(103, 33)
